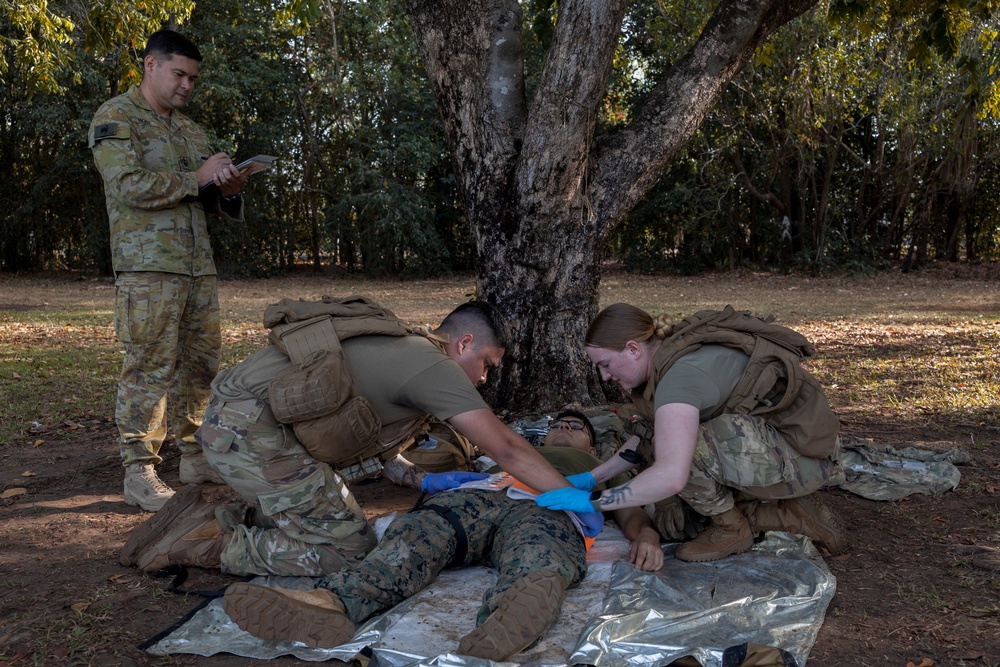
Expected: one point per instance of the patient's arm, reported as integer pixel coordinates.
(646, 552)
(402, 472)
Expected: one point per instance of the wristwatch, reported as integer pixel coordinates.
(595, 500)
(232, 197)
(632, 456)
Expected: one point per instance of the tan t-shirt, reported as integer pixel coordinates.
(402, 376)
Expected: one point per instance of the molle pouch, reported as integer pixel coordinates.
(344, 436)
(320, 384)
(440, 448)
(299, 340)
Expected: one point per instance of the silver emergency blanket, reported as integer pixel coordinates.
(776, 594)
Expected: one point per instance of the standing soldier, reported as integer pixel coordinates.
(154, 161)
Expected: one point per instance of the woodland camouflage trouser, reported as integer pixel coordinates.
(169, 325)
(307, 523)
(514, 536)
(743, 454)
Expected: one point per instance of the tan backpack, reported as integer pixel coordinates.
(440, 448)
(774, 385)
(319, 395)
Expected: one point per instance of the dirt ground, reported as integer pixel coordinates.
(916, 587)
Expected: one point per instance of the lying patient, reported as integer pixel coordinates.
(538, 555)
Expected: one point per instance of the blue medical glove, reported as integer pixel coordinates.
(592, 522)
(582, 480)
(574, 500)
(436, 482)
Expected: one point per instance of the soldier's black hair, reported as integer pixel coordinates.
(165, 43)
(479, 318)
(573, 412)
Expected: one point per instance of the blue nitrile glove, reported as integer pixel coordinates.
(574, 500)
(582, 480)
(592, 522)
(436, 482)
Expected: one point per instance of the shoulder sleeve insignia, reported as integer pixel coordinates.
(110, 131)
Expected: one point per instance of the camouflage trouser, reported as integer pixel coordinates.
(169, 325)
(307, 522)
(514, 536)
(743, 454)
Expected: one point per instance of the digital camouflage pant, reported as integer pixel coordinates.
(302, 519)
(169, 326)
(514, 536)
(745, 455)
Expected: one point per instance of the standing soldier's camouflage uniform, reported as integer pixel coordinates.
(166, 299)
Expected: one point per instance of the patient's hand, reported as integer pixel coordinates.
(646, 552)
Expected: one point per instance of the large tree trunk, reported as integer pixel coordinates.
(543, 196)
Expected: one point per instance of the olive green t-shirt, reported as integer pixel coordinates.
(704, 378)
(570, 461)
(402, 376)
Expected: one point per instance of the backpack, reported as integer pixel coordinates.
(440, 448)
(774, 386)
(318, 395)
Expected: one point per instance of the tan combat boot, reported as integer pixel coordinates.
(144, 488)
(194, 469)
(184, 532)
(802, 516)
(728, 534)
(528, 608)
(315, 618)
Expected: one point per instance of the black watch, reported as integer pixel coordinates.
(232, 197)
(632, 456)
(595, 495)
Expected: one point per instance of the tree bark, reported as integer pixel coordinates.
(542, 195)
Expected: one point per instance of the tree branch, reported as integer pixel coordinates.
(630, 162)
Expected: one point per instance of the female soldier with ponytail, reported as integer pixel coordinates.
(704, 389)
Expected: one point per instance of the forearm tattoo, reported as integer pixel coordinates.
(402, 472)
(616, 494)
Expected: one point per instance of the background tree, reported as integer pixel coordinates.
(543, 191)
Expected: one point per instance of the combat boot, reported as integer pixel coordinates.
(728, 534)
(803, 516)
(528, 608)
(195, 469)
(315, 618)
(184, 532)
(144, 488)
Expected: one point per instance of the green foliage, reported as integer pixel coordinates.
(873, 150)
(335, 89)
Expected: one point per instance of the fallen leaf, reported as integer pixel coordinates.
(28, 473)
(124, 578)
(968, 655)
(61, 653)
(80, 607)
(10, 493)
(38, 442)
(926, 662)
(15, 376)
